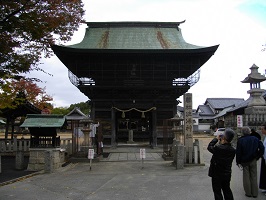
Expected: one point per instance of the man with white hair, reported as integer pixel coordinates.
(249, 150)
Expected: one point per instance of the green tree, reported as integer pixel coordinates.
(83, 106)
(16, 95)
(60, 110)
(28, 28)
(9, 97)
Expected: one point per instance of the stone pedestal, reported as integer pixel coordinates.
(130, 137)
(20, 163)
(87, 143)
(48, 161)
(40, 156)
(255, 110)
(178, 154)
(199, 149)
(256, 97)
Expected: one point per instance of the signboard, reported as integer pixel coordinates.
(142, 153)
(239, 119)
(91, 154)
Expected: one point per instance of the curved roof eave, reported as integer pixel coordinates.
(57, 48)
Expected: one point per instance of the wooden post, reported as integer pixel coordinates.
(113, 137)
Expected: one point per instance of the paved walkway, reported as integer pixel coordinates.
(156, 179)
(132, 153)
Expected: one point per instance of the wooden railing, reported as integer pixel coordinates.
(11, 146)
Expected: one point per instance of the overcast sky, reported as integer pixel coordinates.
(238, 26)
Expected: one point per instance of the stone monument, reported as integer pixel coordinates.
(188, 126)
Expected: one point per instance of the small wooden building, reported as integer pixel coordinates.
(43, 129)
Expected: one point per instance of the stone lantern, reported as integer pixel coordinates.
(178, 149)
(257, 103)
(178, 127)
(86, 131)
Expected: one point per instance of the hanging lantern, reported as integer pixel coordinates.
(142, 115)
(123, 114)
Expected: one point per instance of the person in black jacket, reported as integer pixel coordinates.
(221, 165)
(249, 150)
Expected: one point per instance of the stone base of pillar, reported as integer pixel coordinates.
(38, 159)
(255, 110)
(178, 154)
(20, 163)
(130, 137)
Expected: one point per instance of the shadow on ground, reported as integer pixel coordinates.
(9, 171)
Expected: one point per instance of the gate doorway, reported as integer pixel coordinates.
(139, 124)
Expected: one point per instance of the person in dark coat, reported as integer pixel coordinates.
(221, 165)
(249, 150)
(256, 134)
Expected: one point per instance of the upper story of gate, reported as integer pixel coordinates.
(136, 54)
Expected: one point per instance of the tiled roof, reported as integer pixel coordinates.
(205, 110)
(44, 120)
(244, 104)
(221, 103)
(76, 114)
(223, 112)
(133, 35)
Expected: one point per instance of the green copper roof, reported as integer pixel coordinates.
(44, 120)
(133, 35)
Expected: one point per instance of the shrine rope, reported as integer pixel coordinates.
(142, 111)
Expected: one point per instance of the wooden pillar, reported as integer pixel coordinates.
(113, 137)
(12, 128)
(154, 131)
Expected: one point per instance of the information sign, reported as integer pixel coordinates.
(91, 154)
(142, 153)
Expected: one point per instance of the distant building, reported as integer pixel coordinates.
(213, 110)
(74, 117)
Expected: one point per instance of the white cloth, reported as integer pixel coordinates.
(93, 129)
(80, 133)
